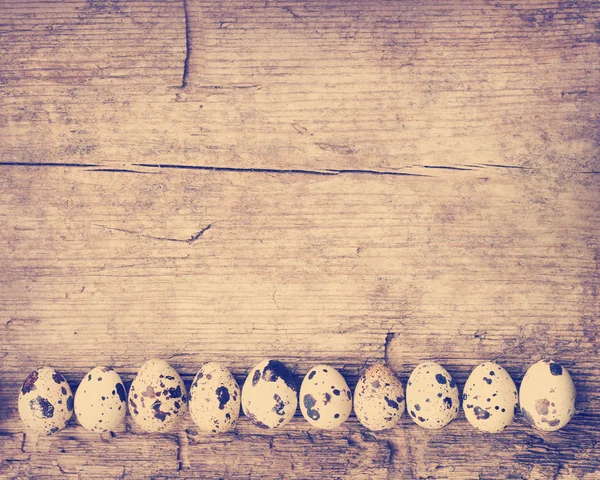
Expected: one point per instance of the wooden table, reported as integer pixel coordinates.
(318, 181)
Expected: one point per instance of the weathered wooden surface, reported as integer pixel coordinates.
(341, 182)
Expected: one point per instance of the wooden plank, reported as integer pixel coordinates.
(301, 452)
(296, 267)
(385, 85)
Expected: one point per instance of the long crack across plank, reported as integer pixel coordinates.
(328, 172)
(189, 241)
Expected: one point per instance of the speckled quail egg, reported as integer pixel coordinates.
(270, 395)
(378, 398)
(214, 399)
(547, 396)
(157, 397)
(490, 398)
(325, 398)
(45, 401)
(431, 396)
(100, 400)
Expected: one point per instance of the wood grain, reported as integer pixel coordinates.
(340, 182)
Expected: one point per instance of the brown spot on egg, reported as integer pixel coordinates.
(58, 378)
(555, 369)
(255, 378)
(222, 396)
(149, 392)
(274, 370)
(121, 391)
(279, 406)
(29, 383)
(309, 403)
(541, 406)
(175, 392)
(44, 406)
(481, 414)
(162, 416)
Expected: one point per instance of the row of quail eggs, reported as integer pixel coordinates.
(158, 398)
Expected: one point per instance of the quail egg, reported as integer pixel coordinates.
(157, 397)
(378, 398)
(214, 399)
(547, 396)
(325, 399)
(490, 398)
(270, 395)
(431, 396)
(100, 400)
(45, 401)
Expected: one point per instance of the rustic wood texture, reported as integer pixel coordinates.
(323, 181)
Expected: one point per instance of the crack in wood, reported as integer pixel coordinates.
(257, 86)
(120, 170)
(391, 458)
(188, 47)
(329, 171)
(47, 164)
(189, 241)
(330, 147)
(388, 340)
(326, 172)
(444, 167)
(504, 166)
(182, 441)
